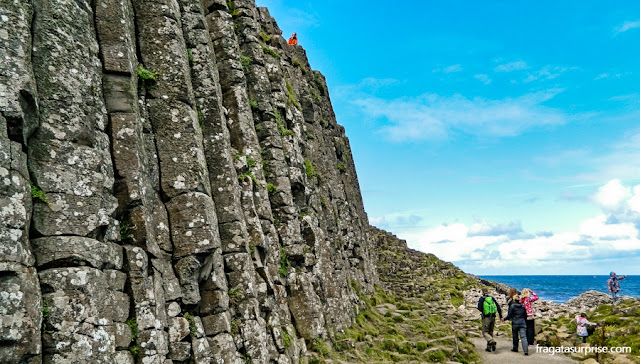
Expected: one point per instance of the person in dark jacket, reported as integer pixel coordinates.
(614, 285)
(488, 319)
(518, 315)
(510, 293)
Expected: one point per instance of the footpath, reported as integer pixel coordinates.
(504, 355)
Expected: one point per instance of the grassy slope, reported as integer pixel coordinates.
(412, 320)
(621, 326)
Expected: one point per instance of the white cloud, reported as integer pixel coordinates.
(371, 82)
(396, 221)
(453, 68)
(485, 247)
(449, 69)
(601, 76)
(482, 78)
(486, 229)
(432, 117)
(599, 162)
(612, 195)
(627, 25)
(547, 72)
(512, 66)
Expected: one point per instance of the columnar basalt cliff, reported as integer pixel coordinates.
(173, 187)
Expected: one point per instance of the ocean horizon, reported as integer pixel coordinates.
(561, 288)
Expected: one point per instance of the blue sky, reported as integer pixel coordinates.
(501, 136)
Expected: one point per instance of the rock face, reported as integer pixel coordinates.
(174, 187)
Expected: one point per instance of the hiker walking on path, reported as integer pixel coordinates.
(614, 285)
(293, 40)
(582, 329)
(528, 297)
(517, 314)
(488, 308)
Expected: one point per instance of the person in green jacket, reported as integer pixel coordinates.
(488, 308)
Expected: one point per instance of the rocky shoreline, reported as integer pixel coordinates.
(545, 309)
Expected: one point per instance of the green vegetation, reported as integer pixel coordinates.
(245, 61)
(286, 338)
(126, 230)
(38, 194)
(200, 120)
(247, 358)
(318, 83)
(315, 95)
(456, 299)
(324, 123)
(270, 52)
(253, 104)
(283, 131)
(291, 96)
(284, 262)
(243, 177)
(235, 327)
(619, 323)
(319, 346)
(189, 55)
(193, 329)
(297, 63)
(235, 295)
(248, 159)
(147, 77)
(323, 202)
(341, 167)
(265, 37)
(232, 10)
(46, 312)
(135, 351)
(308, 168)
(133, 325)
(397, 336)
(251, 163)
(271, 188)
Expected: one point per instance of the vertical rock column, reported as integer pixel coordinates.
(248, 324)
(184, 176)
(214, 303)
(69, 159)
(144, 225)
(20, 299)
(293, 167)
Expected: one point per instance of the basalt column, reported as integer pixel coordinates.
(73, 233)
(20, 297)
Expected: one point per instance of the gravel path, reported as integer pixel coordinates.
(503, 353)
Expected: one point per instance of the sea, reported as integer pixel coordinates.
(562, 288)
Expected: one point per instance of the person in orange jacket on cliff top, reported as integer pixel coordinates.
(293, 40)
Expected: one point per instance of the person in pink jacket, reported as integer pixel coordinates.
(528, 297)
(582, 328)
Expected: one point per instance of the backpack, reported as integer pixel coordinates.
(490, 307)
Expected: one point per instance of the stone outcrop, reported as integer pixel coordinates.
(174, 187)
(589, 300)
